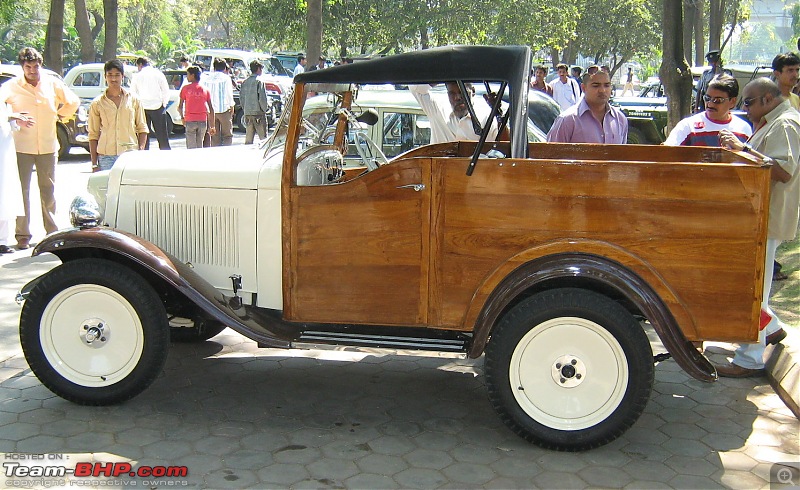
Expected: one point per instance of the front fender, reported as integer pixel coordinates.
(109, 243)
(609, 273)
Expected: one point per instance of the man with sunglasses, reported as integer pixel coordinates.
(46, 99)
(703, 128)
(776, 139)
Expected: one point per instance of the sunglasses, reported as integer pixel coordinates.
(716, 100)
(749, 101)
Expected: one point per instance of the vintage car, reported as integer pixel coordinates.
(550, 260)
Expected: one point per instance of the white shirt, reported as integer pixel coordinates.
(445, 125)
(220, 87)
(566, 94)
(151, 87)
(298, 70)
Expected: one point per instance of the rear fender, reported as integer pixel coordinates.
(571, 267)
(115, 244)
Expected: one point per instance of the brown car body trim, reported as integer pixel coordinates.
(595, 269)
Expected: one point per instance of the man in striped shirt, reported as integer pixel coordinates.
(702, 129)
(220, 86)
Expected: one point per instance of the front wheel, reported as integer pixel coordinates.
(94, 332)
(569, 369)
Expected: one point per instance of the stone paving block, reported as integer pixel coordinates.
(723, 442)
(649, 470)
(283, 475)
(688, 481)
(42, 444)
(230, 478)
(604, 476)
(382, 464)
(744, 480)
(392, 445)
(519, 466)
(469, 474)
(691, 466)
(332, 469)
(297, 453)
(168, 450)
(559, 479)
(89, 441)
(371, 481)
(469, 453)
(683, 431)
(645, 452)
(645, 485)
(349, 449)
(426, 458)
(683, 447)
(217, 445)
(420, 478)
(18, 431)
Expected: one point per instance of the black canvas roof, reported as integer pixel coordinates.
(447, 63)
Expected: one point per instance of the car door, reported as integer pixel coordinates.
(89, 83)
(358, 251)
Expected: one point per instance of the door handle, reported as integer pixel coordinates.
(416, 187)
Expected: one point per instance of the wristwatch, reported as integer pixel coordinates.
(747, 147)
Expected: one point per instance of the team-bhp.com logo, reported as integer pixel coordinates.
(19, 469)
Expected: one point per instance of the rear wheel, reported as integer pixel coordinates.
(636, 137)
(569, 369)
(94, 332)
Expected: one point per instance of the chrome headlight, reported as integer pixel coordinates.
(84, 212)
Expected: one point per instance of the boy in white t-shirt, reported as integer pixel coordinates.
(702, 129)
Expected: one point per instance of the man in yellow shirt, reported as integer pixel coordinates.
(786, 70)
(117, 120)
(45, 99)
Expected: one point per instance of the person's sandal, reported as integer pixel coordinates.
(5, 249)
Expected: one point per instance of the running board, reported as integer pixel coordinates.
(457, 343)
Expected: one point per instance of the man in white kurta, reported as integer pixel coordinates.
(10, 188)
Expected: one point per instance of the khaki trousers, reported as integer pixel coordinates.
(46, 176)
(224, 124)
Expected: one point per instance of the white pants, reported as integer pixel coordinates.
(5, 229)
(751, 356)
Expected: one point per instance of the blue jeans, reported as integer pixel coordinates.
(105, 162)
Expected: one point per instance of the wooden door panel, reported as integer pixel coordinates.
(359, 250)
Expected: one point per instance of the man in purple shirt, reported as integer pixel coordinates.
(592, 119)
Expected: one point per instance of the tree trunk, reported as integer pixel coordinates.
(674, 71)
(689, 7)
(110, 8)
(84, 31)
(699, 37)
(314, 37)
(716, 13)
(424, 42)
(54, 37)
(99, 22)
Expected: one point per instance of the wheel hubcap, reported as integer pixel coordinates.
(570, 390)
(82, 349)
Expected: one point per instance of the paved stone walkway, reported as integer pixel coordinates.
(241, 417)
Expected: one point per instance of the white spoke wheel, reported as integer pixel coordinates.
(94, 332)
(569, 369)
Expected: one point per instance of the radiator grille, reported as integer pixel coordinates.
(197, 233)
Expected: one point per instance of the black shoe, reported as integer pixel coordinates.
(779, 276)
(5, 249)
